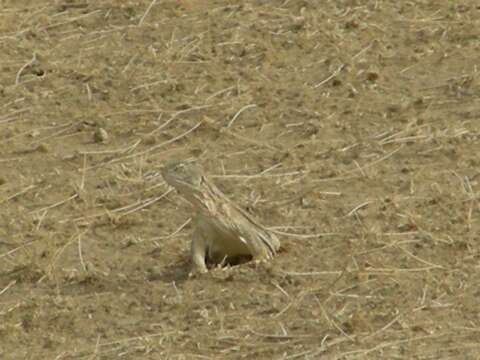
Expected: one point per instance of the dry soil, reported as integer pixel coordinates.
(350, 126)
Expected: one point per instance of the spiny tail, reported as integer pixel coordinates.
(267, 242)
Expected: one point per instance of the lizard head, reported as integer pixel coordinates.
(185, 176)
(188, 178)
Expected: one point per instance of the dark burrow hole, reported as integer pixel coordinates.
(228, 261)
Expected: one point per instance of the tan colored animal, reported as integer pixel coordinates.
(223, 232)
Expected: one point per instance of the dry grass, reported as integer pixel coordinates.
(351, 127)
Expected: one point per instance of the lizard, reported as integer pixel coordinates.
(222, 229)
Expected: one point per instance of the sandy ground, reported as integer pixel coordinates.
(352, 126)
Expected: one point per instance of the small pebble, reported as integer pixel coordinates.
(42, 148)
(100, 135)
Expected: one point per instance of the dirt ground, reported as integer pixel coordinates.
(350, 126)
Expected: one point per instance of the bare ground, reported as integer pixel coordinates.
(351, 125)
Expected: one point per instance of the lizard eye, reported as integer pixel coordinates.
(180, 168)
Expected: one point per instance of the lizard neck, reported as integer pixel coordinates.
(205, 199)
